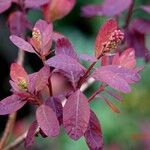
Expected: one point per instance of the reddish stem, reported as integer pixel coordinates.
(128, 19)
(50, 87)
(101, 88)
(83, 79)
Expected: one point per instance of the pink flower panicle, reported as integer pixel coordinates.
(115, 39)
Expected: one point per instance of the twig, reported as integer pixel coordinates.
(12, 117)
(101, 88)
(16, 143)
(129, 14)
(83, 79)
(8, 130)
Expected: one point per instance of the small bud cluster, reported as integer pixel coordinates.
(36, 34)
(36, 38)
(116, 38)
(22, 85)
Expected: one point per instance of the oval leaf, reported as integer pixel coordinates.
(65, 63)
(47, 121)
(130, 75)
(17, 72)
(92, 10)
(29, 140)
(76, 113)
(86, 57)
(63, 46)
(36, 83)
(93, 134)
(4, 5)
(11, 104)
(108, 76)
(126, 59)
(35, 3)
(22, 44)
(115, 7)
(104, 35)
(56, 105)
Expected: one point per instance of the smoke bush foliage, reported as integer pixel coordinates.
(71, 111)
(135, 29)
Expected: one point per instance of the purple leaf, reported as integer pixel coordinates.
(142, 26)
(56, 105)
(47, 120)
(56, 36)
(130, 75)
(86, 57)
(36, 83)
(41, 25)
(63, 46)
(35, 3)
(93, 134)
(137, 41)
(4, 5)
(73, 77)
(146, 8)
(22, 44)
(92, 10)
(11, 104)
(115, 7)
(65, 63)
(46, 31)
(29, 140)
(110, 77)
(76, 113)
(18, 23)
(108, 8)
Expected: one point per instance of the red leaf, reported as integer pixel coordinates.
(56, 105)
(47, 120)
(92, 10)
(115, 7)
(22, 44)
(35, 3)
(63, 46)
(4, 5)
(29, 140)
(76, 113)
(36, 83)
(104, 35)
(126, 59)
(57, 9)
(18, 73)
(65, 63)
(46, 31)
(18, 23)
(93, 134)
(11, 104)
(42, 37)
(109, 76)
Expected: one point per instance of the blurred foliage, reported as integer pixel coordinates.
(117, 128)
